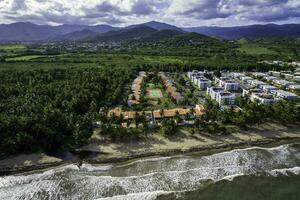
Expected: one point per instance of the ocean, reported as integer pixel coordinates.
(241, 174)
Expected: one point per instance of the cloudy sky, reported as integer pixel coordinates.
(183, 13)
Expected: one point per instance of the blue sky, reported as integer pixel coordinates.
(184, 13)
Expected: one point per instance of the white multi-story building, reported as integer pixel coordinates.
(288, 76)
(281, 82)
(270, 78)
(263, 98)
(225, 98)
(213, 91)
(285, 95)
(203, 83)
(259, 74)
(194, 74)
(268, 88)
(231, 85)
(246, 78)
(294, 87)
(248, 92)
(256, 83)
(221, 96)
(296, 78)
(228, 84)
(237, 75)
(274, 73)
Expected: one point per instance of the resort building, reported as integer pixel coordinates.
(221, 96)
(285, 95)
(282, 83)
(135, 96)
(274, 73)
(296, 78)
(256, 83)
(155, 116)
(237, 75)
(258, 74)
(213, 91)
(203, 83)
(225, 98)
(294, 87)
(195, 74)
(270, 78)
(227, 84)
(248, 92)
(263, 98)
(288, 76)
(246, 78)
(268, 88)
(171, 90)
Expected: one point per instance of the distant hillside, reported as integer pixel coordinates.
(124, 34)
(25, 31)
(253, 31)
(158, 26)
(77, 35)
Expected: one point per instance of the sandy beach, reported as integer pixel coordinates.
(102, 152)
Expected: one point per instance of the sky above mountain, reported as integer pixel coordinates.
(184, 13)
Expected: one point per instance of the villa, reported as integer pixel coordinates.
(171, 90)
(134, 97)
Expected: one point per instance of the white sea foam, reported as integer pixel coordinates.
(91, 168)
(149, 178)
(138, 196)
(285, 171)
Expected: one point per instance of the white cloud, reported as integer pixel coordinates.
(125, 12)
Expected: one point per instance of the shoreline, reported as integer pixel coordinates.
(208, 150)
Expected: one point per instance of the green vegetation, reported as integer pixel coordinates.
(51, 110)
(24, 58)
(6, 47)
(50, 96)
(254, 48)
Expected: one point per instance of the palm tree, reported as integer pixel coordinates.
(162, 113)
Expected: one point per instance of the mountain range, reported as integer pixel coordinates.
(29, 32)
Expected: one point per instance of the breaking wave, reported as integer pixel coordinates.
(146, 179)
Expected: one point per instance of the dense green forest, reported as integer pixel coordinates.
(53, 109)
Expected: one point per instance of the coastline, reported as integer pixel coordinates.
(105, 153)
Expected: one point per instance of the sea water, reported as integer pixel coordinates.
(251, 173)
